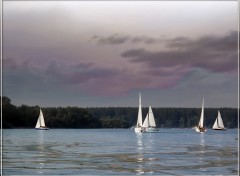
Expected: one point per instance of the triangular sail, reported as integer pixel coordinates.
(200, 124)
(139, 121)
(151, 118)
(215, 125)
(40, 122)
(146, 121)
(218, 122)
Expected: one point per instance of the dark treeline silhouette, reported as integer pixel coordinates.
(169, 117)
(110, 117)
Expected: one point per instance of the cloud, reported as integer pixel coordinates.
(117, 39)
(58, 75)
(114, 39)
(86, 77)
(213, 53)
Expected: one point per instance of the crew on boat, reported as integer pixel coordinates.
(143, 129)
(201, 128)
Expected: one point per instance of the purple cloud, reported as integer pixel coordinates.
(85, 76)
(213, 53)
(114, 39)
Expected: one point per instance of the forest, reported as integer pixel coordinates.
(25, 116)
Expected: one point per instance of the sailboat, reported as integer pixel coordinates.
(138, 128)
(200, 128)
(41, 123)
(149, 122)
(218, 125)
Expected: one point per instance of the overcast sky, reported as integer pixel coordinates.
(79, 53)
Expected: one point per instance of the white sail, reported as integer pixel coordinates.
(200, 124)
(146, 121)
(40, 122)
(151, 118)
(218, 122)
(139, 128)
(215, 125)
(139, 121)
(200, 127)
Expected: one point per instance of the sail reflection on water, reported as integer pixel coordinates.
(202, 150)
(140, 156)
(41, 153)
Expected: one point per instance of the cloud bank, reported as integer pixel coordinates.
(213, 53)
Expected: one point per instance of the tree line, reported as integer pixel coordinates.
(25, 116)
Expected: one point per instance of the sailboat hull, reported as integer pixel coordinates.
(220, 129)
(42, 128)
(152, 130)
(200, 130)
(139, 130)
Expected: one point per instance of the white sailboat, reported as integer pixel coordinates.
(149, 122)
(218, 124)
(138, 128)
(200, 128)
(41, 123)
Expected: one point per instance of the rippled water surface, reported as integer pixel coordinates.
(119, 151)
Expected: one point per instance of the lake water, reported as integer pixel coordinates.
(119, 152)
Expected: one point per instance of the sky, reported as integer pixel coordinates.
(102, 53)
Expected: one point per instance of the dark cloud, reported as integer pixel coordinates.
(214, 53)
(121, 39)
(216, 43)
(114, 39)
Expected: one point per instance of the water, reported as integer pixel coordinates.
(119, 152)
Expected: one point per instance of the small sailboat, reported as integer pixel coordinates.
(218, 125)
(138, 128)
(149, 122)
(41, 123)
(200, 128)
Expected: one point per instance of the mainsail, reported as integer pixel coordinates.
(200, 127)
(151, 118)
(139, 121)
(200, 124)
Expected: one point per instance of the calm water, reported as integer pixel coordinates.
(119, 151)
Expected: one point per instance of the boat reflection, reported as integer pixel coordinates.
(41, 152)
(202, 149)
(140, 156)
